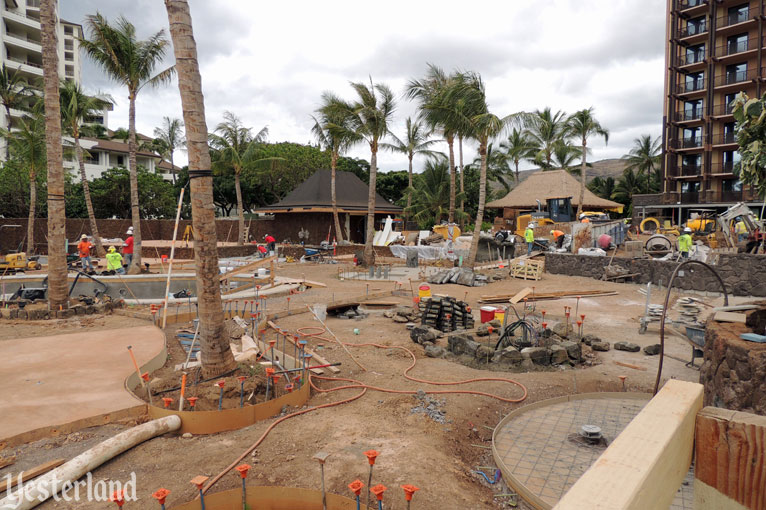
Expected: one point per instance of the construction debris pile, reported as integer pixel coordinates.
(403, 314)
(459, 276)
(431, 407)
(446, 314)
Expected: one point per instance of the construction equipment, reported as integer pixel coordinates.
(557, 210)
(18, 263)
(702, 221)
(653, 225)
(754, 227)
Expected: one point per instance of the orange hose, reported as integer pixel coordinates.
(365, 387)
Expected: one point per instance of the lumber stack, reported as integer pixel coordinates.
(446, 314)
(527, 269)
(544, 296)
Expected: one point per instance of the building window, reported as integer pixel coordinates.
(693, 109)
(690, 187)
(694, 81)
(691, 164)
(120, 160)
(731, 160)
(729, 133)
(738, 14)
(736, 73)
(69, 45)
(692, 137)
(69, 56)
(68, 30)
(731, 185)
(91, 158)
(696, 26)
(736, 44)
(695, 54)
(69, 70)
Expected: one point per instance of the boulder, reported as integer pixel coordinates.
(558, 354)
(526, 364)
(509, 355)
(600, 346)
(650, 350)
(420, 334)
(389, 314)
(434, 351)
(400, 319)
(484, 353)
(495, 323)
(589, 339)
(560, 330)
(456, 342)
(574, 350)
(538, 355)
(627, 346)
(482, 330)
(471, 347)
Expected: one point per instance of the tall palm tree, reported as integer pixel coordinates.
(430, 198)
(644, 157)
(628, 185)
(76, 108)
(517, 147)
(216, 353)
(368, 120)
(483, 126)
(583, 124)
(13, 92)
(545, 129)
(27, 145)
(171, 135)
(439, 109)
(132, 63)
(565, 155)
(415, 141)
(236, 145)
(603, 187)
(58, 295)
(332, 132)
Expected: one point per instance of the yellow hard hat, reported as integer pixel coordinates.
(111, 249)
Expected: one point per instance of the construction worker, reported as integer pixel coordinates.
(127, 247)
(558, 238)
(741, 230)
(584, 219)
(685, 243)
(83, 248)
(529, 237)
(114, 261)
(271, 243)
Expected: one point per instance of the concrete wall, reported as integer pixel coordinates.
(744, 275)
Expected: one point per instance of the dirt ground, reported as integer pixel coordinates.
(438, 458)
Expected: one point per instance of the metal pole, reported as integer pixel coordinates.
(369, 484)
(324, 494)
(244, 495)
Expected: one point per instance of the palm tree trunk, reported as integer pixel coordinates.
(32, 212)
(582, 178)
(57, 267)
(172, 167)
(333, 164)
(240, 209)
(409, 194)
(516, 162)
(462, 177)
(8, 128)
(471, 261)
(369, 253)
(216, 353)
(88, 203)
(451, 143)
(135, 213)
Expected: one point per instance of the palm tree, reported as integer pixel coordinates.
(132, 63)
(517, 146)
(583, 124)
(644, 157)
(627, 186)
(171, 135)
(236, 145)
(440, 111)
(27, 145)
(13, 91)
(545, 129)
(76, 108)
(216, 354)
(603, 187)
(58, 293)
(332, 132)
(481, 125)
(416, 141)
(368, 120)
(430, 198)
(565, 155)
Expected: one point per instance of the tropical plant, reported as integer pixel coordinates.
(76, 109)
(332, 132)
(583, 125)
(565, 155)
(644, 157)
(368, 120)
(416, 141)
(110, 193)
(171, 137)
(498, 168)
(235, 145)
(58, 291)
(603, 187)
(14, 92)
(132, 63)
(628, 185)
(545, 130)
(517, 147)
(429, 195)
(216, 353)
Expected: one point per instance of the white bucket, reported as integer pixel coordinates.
(261, 271)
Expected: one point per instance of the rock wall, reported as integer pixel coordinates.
(743, 274)
(734, 371)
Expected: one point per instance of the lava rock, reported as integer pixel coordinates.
(560, 330)
(538, 355)
(590, 339)
(482, 330)
(495, 323)
(627, 346)
(574, 350)
(509, 355)
(434, 351)
(484, 353)
(420, 334)
(471, 347)
(650, 350)
(456, 342)
(400, 319)
(559, 355)
(600, 346)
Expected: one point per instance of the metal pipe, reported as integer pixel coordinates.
(336, 364)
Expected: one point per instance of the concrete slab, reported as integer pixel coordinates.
(52, 380)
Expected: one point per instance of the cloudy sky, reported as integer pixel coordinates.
(269, 62)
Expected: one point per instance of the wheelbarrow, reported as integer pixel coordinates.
(696, 338)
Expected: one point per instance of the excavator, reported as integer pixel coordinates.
(754, 226)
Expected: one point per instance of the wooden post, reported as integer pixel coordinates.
(645, 465)
(172, 255)
(730, 465)
(272, 269)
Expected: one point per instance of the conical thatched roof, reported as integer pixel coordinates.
(551, 184)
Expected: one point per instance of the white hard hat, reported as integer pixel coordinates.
(83, 236)
(130, 230)
(687, 230)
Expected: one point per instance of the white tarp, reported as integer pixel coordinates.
(447, 251)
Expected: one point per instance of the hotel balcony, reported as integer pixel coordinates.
(689, 116)
(735, 79)
(692, 7)
(734, 22)
(691, 88)
(691, 61)
(723, 110)
(735, 48)
(692, 142)
(25, 66)
(725, 139)
(690, 33)
(22, 41)
(27, 21)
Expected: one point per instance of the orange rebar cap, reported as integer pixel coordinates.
(160, 495)
(118, 497)
(356, 486)
(192, 401)
(221, 383)
(145, 376)
(378, 490)
(371, 456)
(289, 387)
(167, 401)
(242, 378)
(409, 490)
(199, 481)
(243, 469)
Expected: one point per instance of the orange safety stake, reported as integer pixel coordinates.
(167, 401)
(220, 384)
(192, 402)
(378, 490)
(118, 497)
(243, 469)
(242, 379)
(160, 495)
(371, 456)
(199, 481)
(356, 488)
(183, 391)
(409, 491)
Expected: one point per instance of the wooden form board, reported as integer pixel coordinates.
(247, 268)
(730, 463)
(27, 475)
(730, 317)
(319, 359)
(645, 465)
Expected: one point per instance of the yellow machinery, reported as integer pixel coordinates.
(443, 230)
(18, 262)
(524, 219)
(652, 225)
